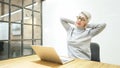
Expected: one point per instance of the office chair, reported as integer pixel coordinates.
(1, 46)
(95, 51)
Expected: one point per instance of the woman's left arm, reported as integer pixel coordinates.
(96, 28)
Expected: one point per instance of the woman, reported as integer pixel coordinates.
(79, 37)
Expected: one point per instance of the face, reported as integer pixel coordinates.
(81, 21)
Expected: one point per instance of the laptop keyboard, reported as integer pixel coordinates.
(66, 59)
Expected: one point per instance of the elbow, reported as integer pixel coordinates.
(104, 25)
(63, 20)
(101, 26)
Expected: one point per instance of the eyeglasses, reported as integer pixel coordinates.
(81, 18)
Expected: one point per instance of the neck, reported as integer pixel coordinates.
(80, 28)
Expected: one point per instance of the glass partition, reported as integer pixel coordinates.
(27, 50)
(4, 31)
(4, 12)
(20, 27)
(15, 31)
(15, 49)
(3, 50)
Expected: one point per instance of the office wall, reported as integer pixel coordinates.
(102, 11)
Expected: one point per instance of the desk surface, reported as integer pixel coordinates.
(34, 62)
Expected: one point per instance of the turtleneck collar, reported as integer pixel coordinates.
(79, 28)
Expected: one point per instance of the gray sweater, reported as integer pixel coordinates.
(78, 39)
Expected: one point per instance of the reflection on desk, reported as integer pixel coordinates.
(34, 62)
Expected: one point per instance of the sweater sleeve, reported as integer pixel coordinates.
(66, 23)
(96, 28)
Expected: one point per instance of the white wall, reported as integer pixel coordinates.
(102, 11)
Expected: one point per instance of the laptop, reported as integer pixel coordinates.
(49, 54)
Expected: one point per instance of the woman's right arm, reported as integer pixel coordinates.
(66, 23)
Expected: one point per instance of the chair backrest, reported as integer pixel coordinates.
(95, 51)
(1, 46)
